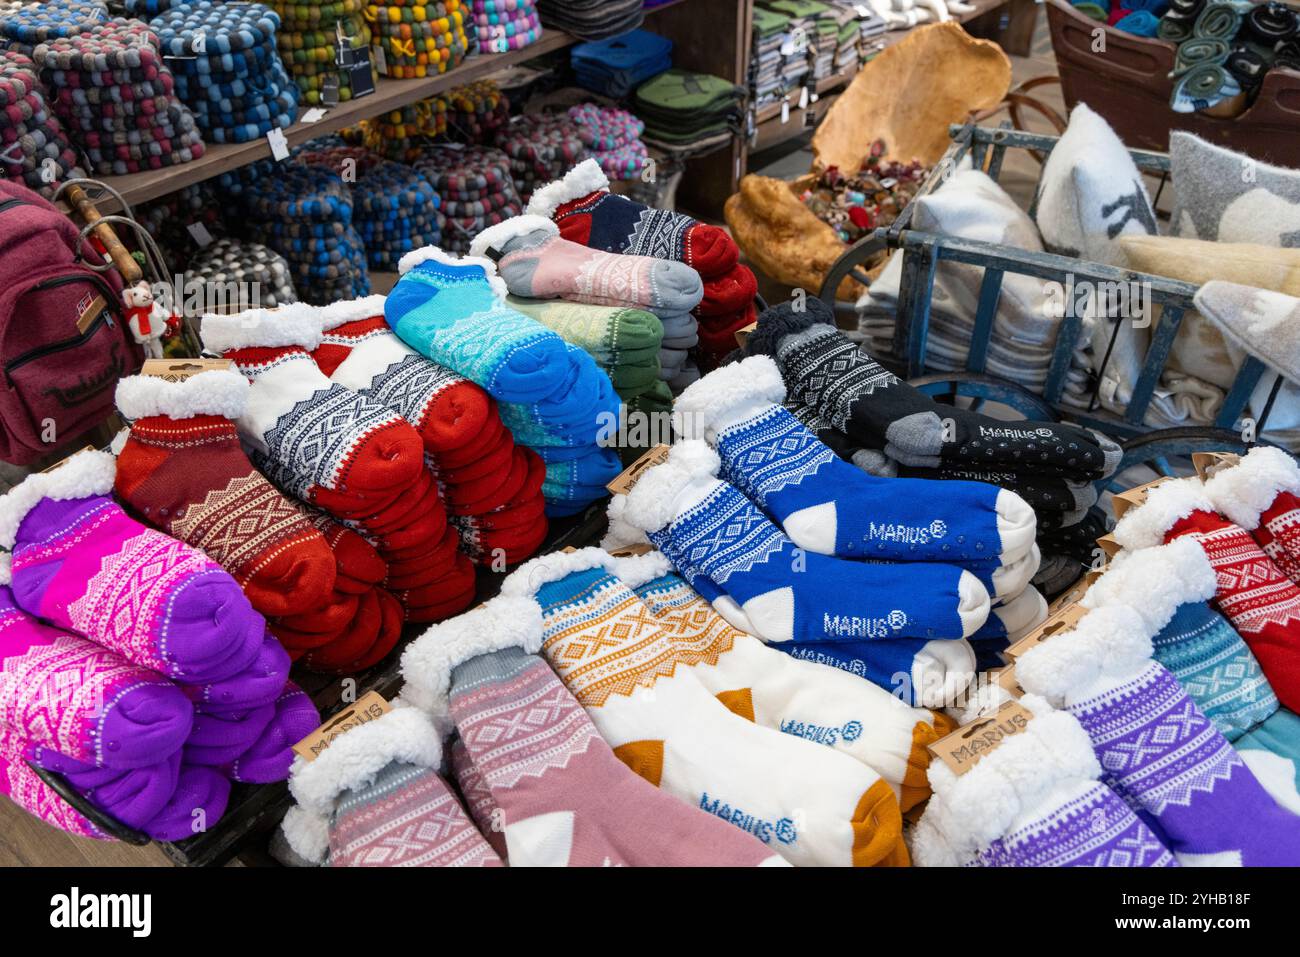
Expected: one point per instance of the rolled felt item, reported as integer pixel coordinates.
(1248, 66)
(1198, 51)
(1218, 21)
(1203, 87)
(1270, 24)
(1140, 23)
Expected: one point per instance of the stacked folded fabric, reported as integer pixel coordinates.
(684, 110)
(613, 139)
(818, 25)
(177, 689)
(305, 214)
(767, 79)
(475, 112)
(587, 213)
(475, 188)
(418, 39)
(505, 25)
(34, 149)
(617, 66)
(540, 146)
(250, 267)
(310, 45)
(551, 395)
(227, 68)
(115, 95)
(591, 19)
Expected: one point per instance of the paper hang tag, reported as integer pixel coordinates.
(1090, 577)
(632, 551)
(381, 59)
(1005, 678)
(743, 334)
(1108, 545)
(1121, 502)
(64, 461)
(314, 115)
(178, 370)
(803, 98)
(1209, 463)
(279, 145)
(624, 481)
(199, 233)
(785, 111)
(1064, 620)
(1070, 596)
(91, 309)
(965, 747)
(119, 441)
(371, 707)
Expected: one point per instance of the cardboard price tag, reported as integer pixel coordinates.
(1071, 596)
(1063, 620)
(371, 707)
(623, 482)
(64, 461)
(1005, 678)
(965, 747)
(632, 551)
(743, 334)
(1208, 463)
(1121, 502)
(178, 370)
(1108, 545)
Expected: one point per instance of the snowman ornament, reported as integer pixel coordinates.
(146, 319)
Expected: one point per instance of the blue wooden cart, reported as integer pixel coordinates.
(923, 251)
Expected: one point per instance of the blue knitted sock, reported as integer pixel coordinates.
(1272, 751)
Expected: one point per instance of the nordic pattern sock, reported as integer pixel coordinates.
(1160, 751)
(789, 595)
(1262, 604)
(182, 469)
(586, 213)
(1262, 495)
(308, 434)
(826, 505)
(25, 788)
(729, 293)
(561, 796)
(220, 738)
(268, 759)
(1034, 802)
(451, 311)
(825, 370)
(799, 698)
(359, 351)
(1272, 752)
(72, 696)
(477, 796)
(375, 799)
(612, 335)
(612, 656)
(534, 260)
(82, 564)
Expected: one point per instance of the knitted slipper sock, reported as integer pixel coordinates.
(612, 335)
(70, 695)
(477, 794)
(80, 563)
(269, 758)
(728, 293)
(1262, 495)
(375, 798)
(257, 684)
(358, 566)
(1272, 752)
(218, 739)
(183, 470)
(588, 214)
(535, 261)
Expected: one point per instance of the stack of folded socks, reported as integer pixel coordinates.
(475, 187)
(684, 110)
(591, 19)
(418, 39)
(767, 81)
(309, 43)
(227, 68)
(249, 266)
(613, 139)
(505, 25)
(34, 149)
(305, 214)
(848, 39)
(116, 98)
(541, 146)
(617, 66)
(475, 112)
(551, 396)
(587, 213)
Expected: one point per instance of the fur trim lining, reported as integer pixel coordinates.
(632, 570)
(6, 568)
(1242, 492)
(930, 846)
(778, 322)
(708, 405)
(1154, 582)
(507, 621)
(495, 237)
(583, 180)
(296, 324)
(650, 504)
(221, 392)
(1145, 525)
(349, 310)
(436, 255)
(620, 533)
(1111, 641)
(81, 476)
(306, 833)
(354, 759)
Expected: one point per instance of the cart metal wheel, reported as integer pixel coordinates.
(982, 389)
(1167, 452)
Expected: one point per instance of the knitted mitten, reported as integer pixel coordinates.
(72, 696)
(82, 564)
(375, 799)
(588, 214)
(182, 470)
(808, 803)
(1262, 495)
(562, 797)
(535, 261)
(1262, 604)
(1035, 801)
(1160, 751)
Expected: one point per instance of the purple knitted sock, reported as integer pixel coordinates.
(81, 563)
(218, 739)
(72, 696)
(196, 806)
(258, 684)
(269, 758)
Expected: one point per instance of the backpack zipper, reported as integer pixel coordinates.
(40, 351)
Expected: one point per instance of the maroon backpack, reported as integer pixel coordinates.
(64, 342)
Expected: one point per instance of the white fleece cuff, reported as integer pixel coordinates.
(1242, 492)
(650, 503)
(583, 180)
(81, 476)
(714, 402)
(221, 392)
(495, 237)
(1144, 526)
(434, 254)
(297, 324)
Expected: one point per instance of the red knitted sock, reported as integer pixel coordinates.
(729, 292)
